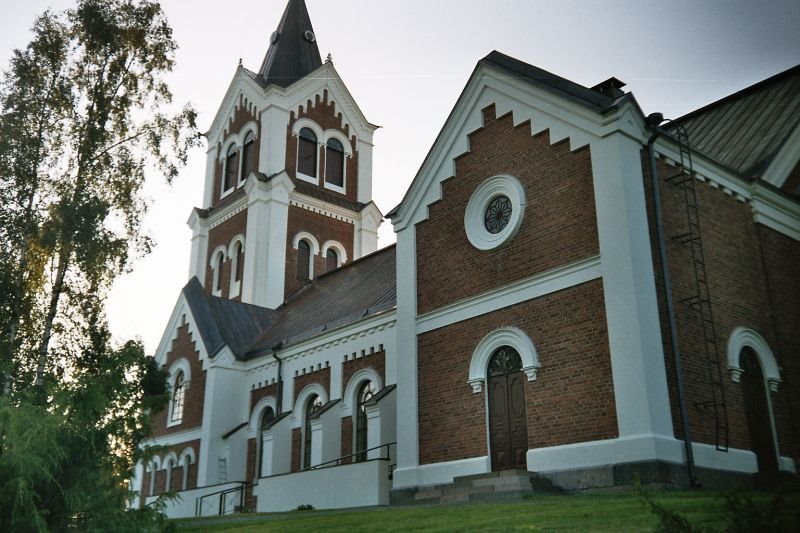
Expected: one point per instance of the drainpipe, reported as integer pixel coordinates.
(653, 121)
(275, 349)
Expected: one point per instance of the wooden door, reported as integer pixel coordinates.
(759, 420)
(508, 428)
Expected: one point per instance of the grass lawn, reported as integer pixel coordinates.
(624, 511)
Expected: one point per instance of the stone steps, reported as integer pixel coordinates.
(508, 485)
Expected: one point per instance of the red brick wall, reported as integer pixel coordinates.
(572, 399)
(296, 446)
(184, 346)
(324, 113)
(375, 361)
(262, 392)
(323, 228)
(752, 280)
(243, 113)
(176, 483)
(559, 225)
(323, 377)
(221, 236)
(347, 438)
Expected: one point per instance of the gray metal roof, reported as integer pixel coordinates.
(339, 298)
(744, 131)
(291, 56)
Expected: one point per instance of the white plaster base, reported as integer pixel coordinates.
(439, 473)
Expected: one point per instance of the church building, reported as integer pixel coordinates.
(580, 295)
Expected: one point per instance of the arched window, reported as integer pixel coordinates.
(231, 167)
(365, 393)
(218, 273)
(307, 153)
(152, 482)
(178, 398)
(331, 260)
(312, 406)
(267, 417)
(303, 260)
(248, 155)
(239, 262)
(334, 163)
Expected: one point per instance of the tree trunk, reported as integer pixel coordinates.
(55, 295)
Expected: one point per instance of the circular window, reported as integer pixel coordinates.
(494, 212)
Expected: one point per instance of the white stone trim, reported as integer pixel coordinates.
(347, 154)
(636, 448)
(298, 411)
(784, 161)
(254, 428)
(308, 237)
(439, 473)
(250, 127)
(776, 211)
(341, 253)
(323, 208)
(349, 399)
(536, 286)
(186, 459)
(223, 192)
(500, 185)
(173, 439)
(508, 336)
(743, 337)
(331, 133)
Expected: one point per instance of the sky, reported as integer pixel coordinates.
(406, 62)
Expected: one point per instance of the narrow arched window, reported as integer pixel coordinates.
(365, 394)
(239, 262)
(152, 481)
(231, 167)
(312, 406)
(303, 260)
(248, 155)
(331, 260)
(187, 462)
(218, 273)
(334, 163)
(267, 417)
(178, 397)
(307, 153)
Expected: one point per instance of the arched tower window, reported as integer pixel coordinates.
(239, 262)
(178, 398)
(365, 394)
(218, 273)
(303, 260)
(307, 153)
(248, 155)
(231, 167)
(334, 163)
(312, 406)
(331, 260)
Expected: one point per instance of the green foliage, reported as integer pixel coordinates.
(85, 114)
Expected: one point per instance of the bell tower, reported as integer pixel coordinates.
(288, 186)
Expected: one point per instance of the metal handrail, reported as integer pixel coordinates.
(338, 462)
(242, 486)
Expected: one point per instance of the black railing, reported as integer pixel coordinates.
(362, 453)
(222, 497)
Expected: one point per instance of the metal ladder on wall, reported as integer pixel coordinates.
(700, 300)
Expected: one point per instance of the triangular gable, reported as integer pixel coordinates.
(566, 109)
(182, 314)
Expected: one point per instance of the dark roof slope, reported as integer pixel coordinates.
(549, 81)
(744, 131)
(291, 56)
(360, 289)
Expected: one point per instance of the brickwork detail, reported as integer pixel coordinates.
(324, 113)
(559, 226)
(323, 228)
(244, 112)
(354, 363)
(322, 377)
(749, 270)
(176, 483)
(572, 399)
(262, 392)
(347, 439)
(296, 445)
(184, 346)
(221, 236)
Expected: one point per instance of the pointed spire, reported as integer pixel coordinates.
(293, 51)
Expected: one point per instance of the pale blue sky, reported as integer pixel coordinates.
(406, 62)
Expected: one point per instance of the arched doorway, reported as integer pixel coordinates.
(757, 411)
(508, 428)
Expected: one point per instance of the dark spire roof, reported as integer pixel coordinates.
(293, 52)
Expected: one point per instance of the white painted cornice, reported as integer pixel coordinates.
(776, 211)
(787, 158)
(175, 438)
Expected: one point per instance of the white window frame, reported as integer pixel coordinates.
(225, 192)
(214, 264)
(341, 253)
(178, 366)
(314, 244)
(348, 153)
(499, 185)
(235, 287)
(299, 412)
(250, 127)
(187, 458)
(508, 336)
(313, 126)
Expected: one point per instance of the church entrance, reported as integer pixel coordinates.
(508, 428)
(759, 419)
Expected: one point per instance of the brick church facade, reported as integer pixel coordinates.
(577, 291)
